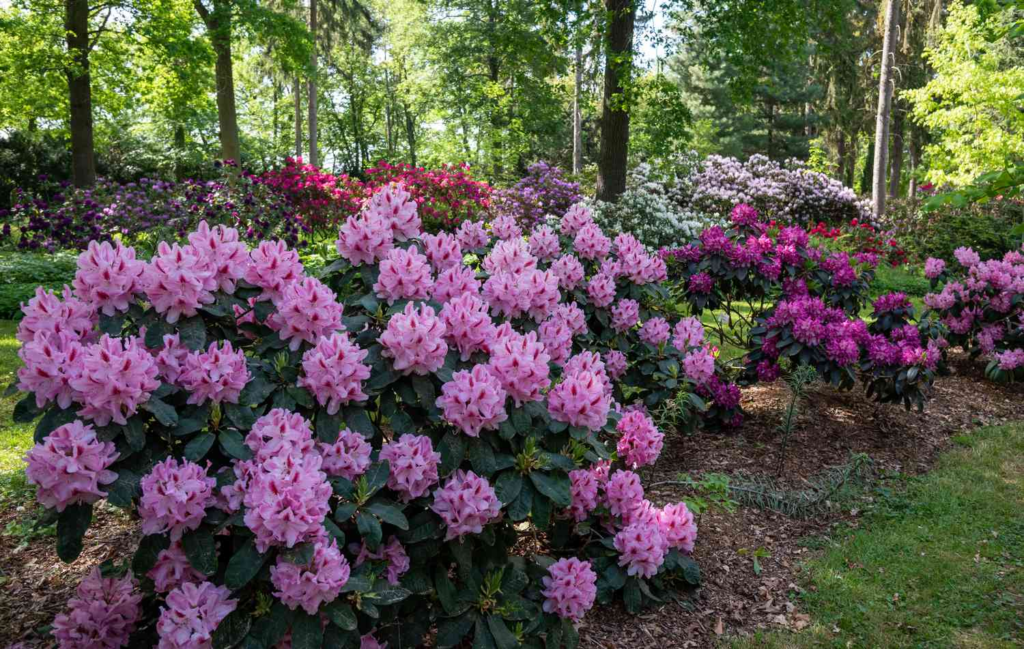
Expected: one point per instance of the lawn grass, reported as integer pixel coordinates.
(15, 439)
(939, 563)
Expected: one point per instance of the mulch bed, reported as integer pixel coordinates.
(34, 584)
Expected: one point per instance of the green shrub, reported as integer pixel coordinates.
(21, 273)
(987, 228)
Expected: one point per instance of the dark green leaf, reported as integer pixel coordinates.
(424, 388)
(112, 325)
(272, 627)
(300, 555)
(570, 637)
(53, 419)
(389, 514)
(691, 571)
(122, 490)
(306, 631)
(343, 487)
(632, 596)
(256, 390)
(377, 476)
(520, 508)
(481, 456)
(342, 615)
(508, 486)
(356, 584)
(452, 449)
(451, 631)
(26, 410)
(402, 423)
(328, 426)
(239, 415)
(197, 449)
(135, 434)
(201, 550)
(155, 332)
(163, 412)
(345, 511)
(388, 594)
(369, 528)
(520, 420)
(482, 638)
(359, 421)
(71, 527)
(232, 629)
(335, 532)
(502, 636)
(150, 548)
(192, 333)
(233, 445)
(555, 486)
(615, 577)
(245, 563)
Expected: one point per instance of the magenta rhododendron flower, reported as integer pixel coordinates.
(394, 204)
(466, 503)
(641, 442)
(510, 257)
(580, 400)
(615, 363)
(443, 250)
(699, 365)
(392, 553)
(192, 614)
(641, 549)
(413, 462)
(701, 283)
(48, 313)
(365, 239)
(174, 497)
(313, 584)
(52, 362)
(677, 527)
(744, 214)
(544, 242)
(334, 372)
(306, 311)
(69, 466)
(274, 266)
(575, 219)
(348, 456)
(172, 569)
(569, 271)
(966, 256)
(467, 324)
(933, 267)
(117, 376)
(601, 290)
(655, 331)
(177, 282)
(473, 400)
(689, 332)
(279, 433)
(108, 276)
(219, 249)
(520, 363)
(1009, 360)
(287, 500)
(414, 339)
(583, 488)
(623, 492)
(455, 281)
(218, 374)
(625, 315)
(505, 227)
(472, 235)
(101, 615)
(591, 242)
(569, 589)
(507, 294)
(404, 275)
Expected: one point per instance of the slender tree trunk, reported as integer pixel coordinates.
(896, 157)
(218, 25)
(841, 154)
(314, 153)
(577, 122)
(611, 165)
(277, 97)
(915, 159)
(885, 90)
(297, 96)
(76, 28)
(410, 134)
(851, 159)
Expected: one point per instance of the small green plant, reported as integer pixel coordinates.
(802, 376)
(755, 556)
(30, 527)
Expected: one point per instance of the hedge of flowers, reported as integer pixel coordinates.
(322, 199)
(355, 457)
(444, 197)
(544, 192)
(980, 308)
(867, 242)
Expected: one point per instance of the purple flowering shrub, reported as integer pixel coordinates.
(354, 457)
(543, 192)
(980, 308)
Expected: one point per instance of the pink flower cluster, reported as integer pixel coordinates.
(218, 374)
(466, 503)
(52, 361)
(393, 204)
(415, 340)
(404, 275)
(47, 313)
(455, 281)
(625, 315)
(443, 250)
(473, 400)
(348, 456)
(641, 549)
(116, 377)
(544, 242)
(520, 364)
(192, 614)
(413, 463)
(108, 276)
(313, 584)
(174, 497)
(334, 372)
(286, 501)
(177, 281)
(172, 569)
(655, 331)
(273, 267)
(101, 615)
(569, 271)
(699, 365)
(365, 239)
(306, 311)
(581, 399)
(569, 589)
(467, 324)
(221, 251)
(505, 227)
(584, 486)
(392, 553)
(641, 442)
(623, 493)
(69, 466)
(472, 235)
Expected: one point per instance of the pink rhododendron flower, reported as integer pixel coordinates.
(414, 339)
(557, 336)
(174, 497)
(542, 288)
(69, 466)
(583, 488)
(467, 323)
(365, 239)
(677, 526)
(473, 400)
(273, 267)
(520, 363)
(466, 503)
(507, 294)
(368, 641)
(573, 316)
(101, 615)
(655, 332)
(641, 441)
(580, 400)
(591, 242)
(601, 290)
(348, 456)
(689, 332)
(279, 433)
(218, 374)
(505, 227)
(589, 362)
(48, 313)
(391, 553)
(334, 372)
(413, 463)
(699, 365)
(625, 315)
(472, 235)
(612, 268)
(220, 249)
(623, 492)
(394, 204)
(404, 275)
(966, 256)
(52, 362)
(641, 549)
(569, 589)
(108, 276)
(172, 569)
(569, 271)
(443, 250)
(306, 311)
(313, 584)
(455, 281)
(933, 267)
(287, 500)
(1010, 360)
(177, 282)
(192, 614)
(170, 360)
(117, 376)
(544, 242)
(510, 257)
(575, 218)
(615, 363)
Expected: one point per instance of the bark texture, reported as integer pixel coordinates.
(885, 91)
(612, 159)
(76, 28)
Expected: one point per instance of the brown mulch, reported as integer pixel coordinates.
(35, 584)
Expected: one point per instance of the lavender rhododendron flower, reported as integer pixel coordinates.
(348, 456)
(116, 377)
(404, 275)
(641, 442)
(312, 584)
(306, 311)
(218, 374)
(334, 372)
(108, 277)
(413, 463)
(414, 339)
(520, 363)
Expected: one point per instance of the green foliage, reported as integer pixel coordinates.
(990, 228)
(21, 273)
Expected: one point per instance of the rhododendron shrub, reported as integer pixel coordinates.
(353, 458)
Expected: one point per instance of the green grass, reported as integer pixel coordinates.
(937, 564)
(905, 279)
(15, 439)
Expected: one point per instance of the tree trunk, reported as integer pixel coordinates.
(841, 155)
(851, 158)
(76, 28)
(885, 90)
(277, 97)
(915, 160)
(297, 96)
(410, 134)
(612, 160)
(313, 152)
(218, 26)
(577, 122)
(896, 157)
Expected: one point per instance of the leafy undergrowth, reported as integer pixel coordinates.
(937, 564)
(15, 439)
